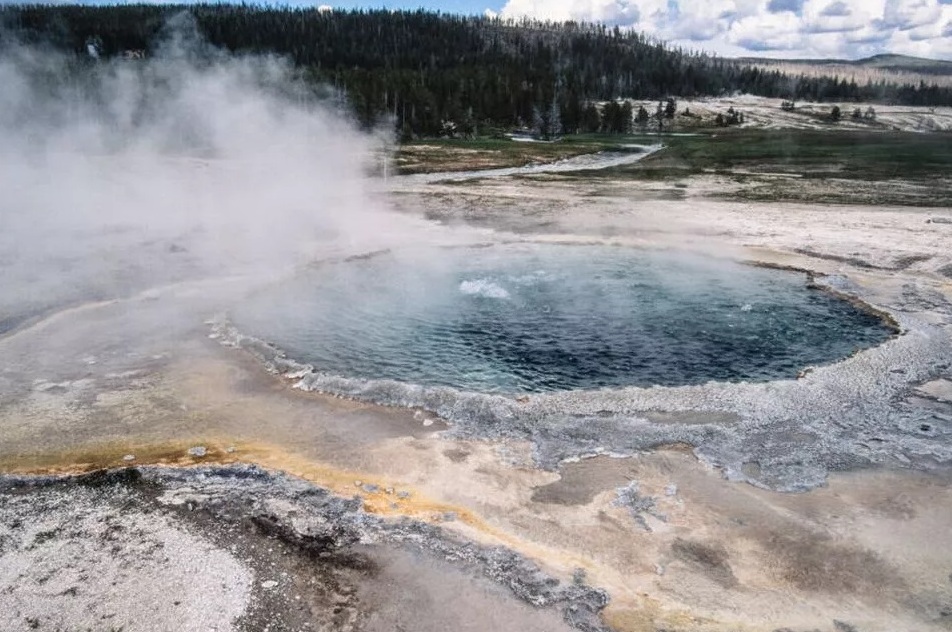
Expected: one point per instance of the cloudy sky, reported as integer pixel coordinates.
(765, 28)
(775, 28)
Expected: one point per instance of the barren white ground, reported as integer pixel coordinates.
(871, 549)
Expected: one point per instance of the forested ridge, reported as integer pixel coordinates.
(428, 71)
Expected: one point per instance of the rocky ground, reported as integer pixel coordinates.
(239, 548)
(448, 511)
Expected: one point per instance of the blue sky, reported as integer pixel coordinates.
(768, 28)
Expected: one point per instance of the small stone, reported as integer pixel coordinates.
(231, 449)
(129, 457)
(388, 491)
(198, 451)
(358, 483)
(269, 584)
(403, 494)
(427, 422)
(578, 576)
(370, 488)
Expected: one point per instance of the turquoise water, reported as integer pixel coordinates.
(529, 318)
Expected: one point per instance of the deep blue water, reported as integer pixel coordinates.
(528, 318)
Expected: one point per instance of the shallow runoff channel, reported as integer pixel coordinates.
(783, 433)
(587, 162)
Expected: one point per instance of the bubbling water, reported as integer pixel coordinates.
(523, 318)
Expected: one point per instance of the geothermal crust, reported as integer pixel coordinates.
(690, 531)
(232, 547)
(784, 435)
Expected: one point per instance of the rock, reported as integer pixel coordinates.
(198, 451)
(630, 497)
(370, 488)
(578, 576)
(129, 457)
(318, 523)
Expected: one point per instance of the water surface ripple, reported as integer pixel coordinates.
(524, 318)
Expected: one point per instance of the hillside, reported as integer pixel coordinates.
(432, 73)
(888, 69)
(905, 63)
(899, 63)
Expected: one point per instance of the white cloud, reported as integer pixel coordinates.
(779, 28)
(839, 16)
(766, 32)
(909, 14)
(611, 11)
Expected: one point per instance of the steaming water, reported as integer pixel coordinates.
(530, 317)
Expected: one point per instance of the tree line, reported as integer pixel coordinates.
(429, 72)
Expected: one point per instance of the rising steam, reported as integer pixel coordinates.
(117, 174)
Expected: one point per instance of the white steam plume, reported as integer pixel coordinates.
(116, 175)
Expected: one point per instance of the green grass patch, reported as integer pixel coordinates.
(846, 154)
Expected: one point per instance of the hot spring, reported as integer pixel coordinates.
(523, 318)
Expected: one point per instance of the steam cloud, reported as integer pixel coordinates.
(117, 175)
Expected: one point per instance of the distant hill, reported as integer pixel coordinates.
(907, 63)
(895, 63)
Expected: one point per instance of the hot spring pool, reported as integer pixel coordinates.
(530, 317)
